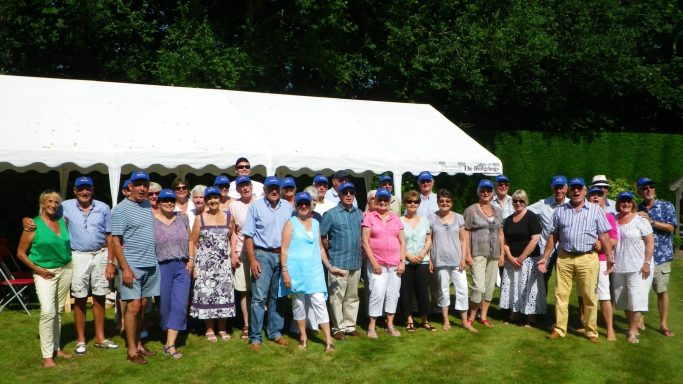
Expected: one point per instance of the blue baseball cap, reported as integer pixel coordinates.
(288, 182)
(83, 180)
(271, 181)
(346, 185)
(558, 181)
(320, 179)
(385, 179)
(485, 183)
(596, 190)
(139, 175)
(425, 175)
(502, 179)
(302, 196)
(383, 192)
(166, 194)
(645, 181)
(211, 191)
(626, 195)
(577, 181)
(222, 179)
(242, 180)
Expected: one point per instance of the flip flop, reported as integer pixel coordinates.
(211, 337)
(666, 332)
(224, 335)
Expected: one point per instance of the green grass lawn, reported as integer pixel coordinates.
(504, 354)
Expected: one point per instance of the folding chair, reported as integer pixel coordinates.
(17, 281)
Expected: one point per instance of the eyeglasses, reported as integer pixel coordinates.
(412, 201)
(168, 200)
(303, 204)
(647, 187)
(288, 188)
(386, 183)
(486, 190)
(603, 187)
(150, 194)
(518, 201)
(382, 200)
(181, 188)
(575, 187)
(247, 166)
(348, 192)
(425, 181)
(223, 186)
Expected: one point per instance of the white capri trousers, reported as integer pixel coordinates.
(631, 291)
(447, 275)
(317, 310)
(384, 290)
(603, 291)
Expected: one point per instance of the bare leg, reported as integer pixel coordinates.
(606, 308)
(390, 321)
(303, 337)
(474, 307)
(371, 324)
(663, 306)
(171, 336)
(326, 331)
(131, 324)
(244, 306)
(98, 316)
(208, 325)
(141, 321)
(79, 318)
(484, 309)
(466, 323)
(446, 320)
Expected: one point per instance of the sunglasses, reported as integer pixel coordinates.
(168, 200)
(150, 194)
(444, 201)
(243, 166)
(223, 186)
(348, 192)
(504, 184)
(303, 204)
(425, 181)
(487, 190)
(518, 201)
(648, 186)
(412, 201)
(181, 188)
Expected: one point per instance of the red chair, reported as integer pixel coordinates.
(17, 282)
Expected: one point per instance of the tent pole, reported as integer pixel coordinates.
(398, 181)
(63, 180)
(114, 179)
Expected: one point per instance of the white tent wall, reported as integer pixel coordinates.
(115, 128)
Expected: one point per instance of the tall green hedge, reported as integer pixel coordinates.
(531, 158)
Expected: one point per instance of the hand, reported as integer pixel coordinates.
(286, 280)
(462, 265)
(44, 273)
(110, 271)
(235, 261)
(501, 261)
(645, 270)
(542, 265)
(336, 271)
(255, 269)
(400, 268)
(644, 214)
(376, 269)
(190, 266)
(469, 261)
(597, 247)
(28, 224)
(127, 277)
(431, 266)
(610, 266)
(515, 262)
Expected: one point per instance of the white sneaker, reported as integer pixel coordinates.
(81, 348)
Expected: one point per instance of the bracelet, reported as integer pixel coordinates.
(110, 261)
(648, 262)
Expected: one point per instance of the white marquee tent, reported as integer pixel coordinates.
(115, 128)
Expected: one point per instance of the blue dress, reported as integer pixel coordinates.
(303, 261)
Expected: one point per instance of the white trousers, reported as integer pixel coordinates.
(384, 291)
(452, 275)
(52, 295)
(317, 307)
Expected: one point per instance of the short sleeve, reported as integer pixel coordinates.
(249, 228)
(326, 224)
(670, 214)
(468, 218)
(535, 227)
(644, 226)
(118, 221)
(601, 221)
(107, 219)
(367, 221)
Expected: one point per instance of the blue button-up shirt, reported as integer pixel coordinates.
(88, 231)
(428, 205)
(342, 228)
(264, 223)
(577, 231)
(664, 212)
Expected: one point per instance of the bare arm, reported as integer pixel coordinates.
(127, 275)
(286, 240)
(649, 250)
(606, 243)
(110, 270)
(501, 241)
(465, 245)
(549, 247)
(234, 260)
(402, 244)
(22, 253)
(368, 251)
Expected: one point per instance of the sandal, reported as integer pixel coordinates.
(410, 327)
(329, 348)
(211, 337)
(428, 327)
(175, 354)
(106, 344)
(633, 339)
(487, 323)
(666, 332)
(372, 334)
(468, 326)
(245, 333)
(224, 335)
(393, 331)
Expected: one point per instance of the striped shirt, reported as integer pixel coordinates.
(88, 231)
(135, 224)
(577, 232)
(264, 224)
(342, 228)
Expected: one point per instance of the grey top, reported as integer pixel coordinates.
(483, 232)
(446, 250)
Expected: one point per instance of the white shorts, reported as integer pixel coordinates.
(88, 274)
(602, 291)
(631, 291)
(242, 275)
(318, 307)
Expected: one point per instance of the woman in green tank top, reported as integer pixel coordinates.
(47, 251)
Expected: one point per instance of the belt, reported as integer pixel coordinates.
(576, 253)
(271, 250)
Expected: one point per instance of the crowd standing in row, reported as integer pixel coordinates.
(244, 244)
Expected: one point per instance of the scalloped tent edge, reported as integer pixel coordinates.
(118, 127)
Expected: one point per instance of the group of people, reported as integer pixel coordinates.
(205, 252)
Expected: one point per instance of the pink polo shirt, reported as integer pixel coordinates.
(384, 237)
(612, 233)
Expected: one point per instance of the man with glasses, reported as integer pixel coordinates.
(243, 168)
(338, 179)
(387, 182)
(341, 233)
(89, 225)
(662, 217)
(545, 209)
(502, 200)
(600, 181)
(262, 241)
(576, 227)
(428, 204)
(322, 185)
(132, 224)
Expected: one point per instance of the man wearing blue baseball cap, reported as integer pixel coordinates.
(662, 217)
(577, 226)
(544, 209)
(338, 178)
(323, 205)
(243, 168)
(428, 204)
(387, 182)
(262, 241)
(341, 233)
(132, 224)
(502, 200)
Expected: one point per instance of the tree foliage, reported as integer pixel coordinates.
(571, 66)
